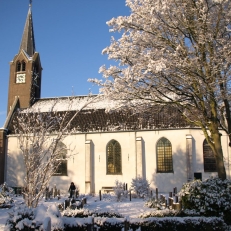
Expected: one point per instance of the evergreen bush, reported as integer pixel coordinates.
(155, 203)
(22, 218)
(179, 224)
(6, 194)
(211, 197)
(81, 213)
(140, 186)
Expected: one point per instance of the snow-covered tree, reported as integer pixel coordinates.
(176, 53)
(119, 190)
(40, 136)
(140, 186)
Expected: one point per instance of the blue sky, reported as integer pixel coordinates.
(69, 35)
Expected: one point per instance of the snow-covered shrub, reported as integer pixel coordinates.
(119, 190)
(178, 223)
(6, 194)
(154, 203)
(86, 213)
(115, 224)
(140, 186)
(68, 212)
(211, 197)
(107, 197)
(160, 213)
(24, 218)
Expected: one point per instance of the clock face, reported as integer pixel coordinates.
(21, 78)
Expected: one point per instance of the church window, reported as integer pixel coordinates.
(18, 66)
(114, 158)
(62, 168)
(209, 158)
(164, 156)
(23, 66)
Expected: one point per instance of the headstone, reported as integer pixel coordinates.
(84, 200)
(51, 192)
(170, 202)
(174, 191)
(76, 193)
(176, 199)
(55, 191)
(66, 204)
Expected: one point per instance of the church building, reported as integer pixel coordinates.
(160, 147)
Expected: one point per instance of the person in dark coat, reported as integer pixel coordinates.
(72, 189)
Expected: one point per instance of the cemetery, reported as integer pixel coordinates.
(121, 209)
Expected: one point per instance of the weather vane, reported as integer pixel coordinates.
(30, 1)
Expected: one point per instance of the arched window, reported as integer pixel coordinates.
(114, 165)
(164, 155)
(23, 66)
(18, 66)
(209, 158)
(62, 154)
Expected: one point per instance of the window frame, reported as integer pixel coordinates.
(207, 155)
(63, 164)
(164, 168)
(114, 159)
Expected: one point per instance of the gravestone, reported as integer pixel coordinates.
(55, 192)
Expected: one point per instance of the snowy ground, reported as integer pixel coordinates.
(126, 208)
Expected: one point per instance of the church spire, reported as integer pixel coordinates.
(28, 42)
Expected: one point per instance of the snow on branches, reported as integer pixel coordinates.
(175, 52)
(40, 136)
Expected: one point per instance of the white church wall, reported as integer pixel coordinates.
(75, 165)
(100, 141)
(198, 158)
(14, 163)
(165, 182)
(76, 145)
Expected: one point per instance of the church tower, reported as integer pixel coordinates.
(25, 70)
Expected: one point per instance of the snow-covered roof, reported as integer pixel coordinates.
(90, 114)
(72, 103)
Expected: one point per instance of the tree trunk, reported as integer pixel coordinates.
(219, 155)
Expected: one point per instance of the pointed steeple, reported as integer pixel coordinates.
(28, 42)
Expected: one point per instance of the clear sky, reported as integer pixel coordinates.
(69, 36)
